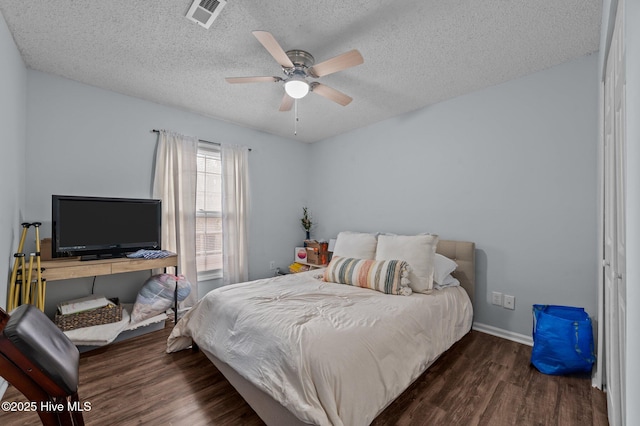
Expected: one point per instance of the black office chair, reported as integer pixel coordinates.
(42, 363)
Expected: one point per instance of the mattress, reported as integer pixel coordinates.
(331, 354)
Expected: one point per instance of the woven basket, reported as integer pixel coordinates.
(99, 316)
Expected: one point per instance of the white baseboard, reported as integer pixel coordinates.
(505, 334)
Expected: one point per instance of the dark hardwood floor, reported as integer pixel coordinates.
(481, 380)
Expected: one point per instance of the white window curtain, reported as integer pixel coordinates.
(174, 183)
(235, 213)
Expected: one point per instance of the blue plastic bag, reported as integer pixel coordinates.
(562, 340)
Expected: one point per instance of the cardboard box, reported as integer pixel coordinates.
(320, 247)
(45, 249)
(317, 253)
(313, 256)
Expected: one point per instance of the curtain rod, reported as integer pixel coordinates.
(200, 140)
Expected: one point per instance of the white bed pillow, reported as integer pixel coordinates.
(450, 281)
(417, 250)
(357, 245)
(443, 267)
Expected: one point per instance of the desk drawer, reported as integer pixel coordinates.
(79, 271)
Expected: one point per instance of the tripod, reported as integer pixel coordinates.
(23, 288)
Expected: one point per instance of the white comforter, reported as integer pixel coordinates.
(332, 354)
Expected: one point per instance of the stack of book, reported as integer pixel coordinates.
(296, 267)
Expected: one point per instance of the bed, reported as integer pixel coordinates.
(303, 351)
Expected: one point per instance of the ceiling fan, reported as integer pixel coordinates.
(299, 66)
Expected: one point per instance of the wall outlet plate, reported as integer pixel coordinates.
(509, 302)
(496, 298)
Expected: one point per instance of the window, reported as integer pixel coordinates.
(209, 212)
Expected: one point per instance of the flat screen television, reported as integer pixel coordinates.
(101, 227)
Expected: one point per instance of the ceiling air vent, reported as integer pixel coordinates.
(204, 12)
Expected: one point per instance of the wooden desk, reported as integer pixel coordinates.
(64, 269)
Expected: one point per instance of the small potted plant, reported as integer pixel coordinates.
(306, 222)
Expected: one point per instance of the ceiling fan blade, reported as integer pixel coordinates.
(338, 63)
(287, 103)
(330, 93)
(234, 80)
(272, 46)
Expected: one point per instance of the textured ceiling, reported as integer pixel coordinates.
(416, 52)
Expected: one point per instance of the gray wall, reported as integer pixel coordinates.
(82, 140)
(13, 84)
(511, 167)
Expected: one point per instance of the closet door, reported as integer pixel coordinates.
(614, 224)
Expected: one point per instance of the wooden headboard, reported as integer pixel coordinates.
(464, 254)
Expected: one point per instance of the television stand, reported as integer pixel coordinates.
(64, 269)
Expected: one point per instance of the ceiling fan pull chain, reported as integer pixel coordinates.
(295, 121)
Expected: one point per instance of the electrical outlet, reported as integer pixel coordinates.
(496, 298)
(272, 265)
(509, 302)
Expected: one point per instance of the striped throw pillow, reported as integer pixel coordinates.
(386, 276)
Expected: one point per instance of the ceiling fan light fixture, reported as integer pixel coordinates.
(297, 88)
